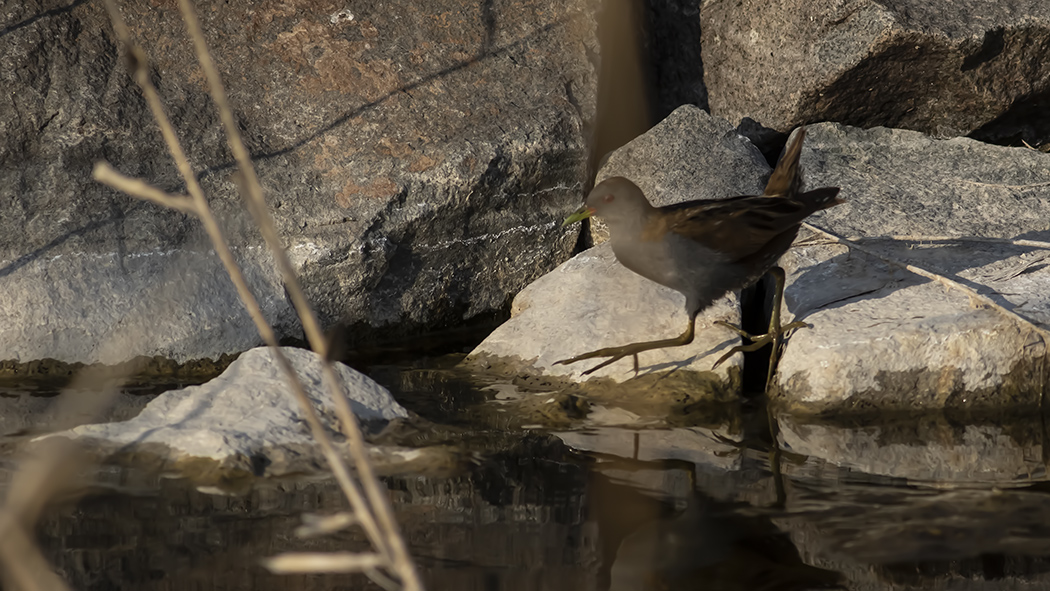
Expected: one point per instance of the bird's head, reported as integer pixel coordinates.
(613, 200)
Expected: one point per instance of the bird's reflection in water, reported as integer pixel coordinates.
(707, 545)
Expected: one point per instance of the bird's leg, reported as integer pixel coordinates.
(617, 353)
(776, 331)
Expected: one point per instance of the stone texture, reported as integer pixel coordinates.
(592, 301)
(883, 338)
(243, 422)
(417, 157)
(689, 155)
(945, 67)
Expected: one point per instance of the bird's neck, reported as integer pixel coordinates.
(631, 224)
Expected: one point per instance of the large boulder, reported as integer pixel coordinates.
(880, 336)
(944, 67)
(418, 158)
(883, 338)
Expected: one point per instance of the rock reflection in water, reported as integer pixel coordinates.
(923, 500)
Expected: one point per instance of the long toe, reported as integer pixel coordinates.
(608, 361)
(606, 352)
(757, 343)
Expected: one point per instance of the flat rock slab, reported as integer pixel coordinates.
(883, 338)
(593, 302)
(243, 422)
(945, 67)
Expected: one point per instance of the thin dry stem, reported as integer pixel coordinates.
(25, 568)
(319, 525)
(1043, 334)
(321, 562)
(252, 192)
(215, 234)
(53, 468)
(913, 238)
(388, 541)
(107, 175)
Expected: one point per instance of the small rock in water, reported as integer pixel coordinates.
(244, 421)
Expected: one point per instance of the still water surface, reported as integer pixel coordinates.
(933, 502)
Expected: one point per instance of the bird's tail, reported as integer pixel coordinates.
(786, 180)
(819, 199)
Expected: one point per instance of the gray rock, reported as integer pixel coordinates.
(106, 307)
(418, 159)
(945, 67)
(592, 301)
(689, 155)
(883, 338)
(243, 422)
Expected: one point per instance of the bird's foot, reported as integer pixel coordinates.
(775, 335)
(614, 354)
(617, 353)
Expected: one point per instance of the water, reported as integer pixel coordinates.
(931, 502)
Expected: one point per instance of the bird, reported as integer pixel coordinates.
(706, 248)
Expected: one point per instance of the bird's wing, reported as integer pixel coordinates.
(741, 226)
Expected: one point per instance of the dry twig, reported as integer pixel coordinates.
(985, 300)
(374, 513)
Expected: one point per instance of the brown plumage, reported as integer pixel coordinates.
(704, 248)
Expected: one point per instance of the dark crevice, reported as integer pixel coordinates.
(768, 141)
(363, 346)
(993, 45)
(756, 307)
(1025, 122)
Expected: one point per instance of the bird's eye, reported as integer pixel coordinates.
(608, 198)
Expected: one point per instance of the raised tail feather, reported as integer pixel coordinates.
(786, 180)
(819, 199)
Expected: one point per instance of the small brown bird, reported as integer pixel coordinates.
(705, 248)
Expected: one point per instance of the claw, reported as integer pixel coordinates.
(775, 336)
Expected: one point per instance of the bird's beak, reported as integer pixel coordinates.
(578, 216)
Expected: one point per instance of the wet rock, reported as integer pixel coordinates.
(244, 422)
(947, 68)
(592, 301)
(418, 159)
(883, 338)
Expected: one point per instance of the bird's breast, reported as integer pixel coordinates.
(652, 260)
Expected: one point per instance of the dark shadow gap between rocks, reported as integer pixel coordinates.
(1023, 123)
